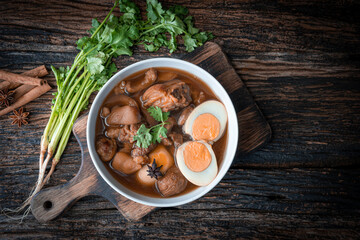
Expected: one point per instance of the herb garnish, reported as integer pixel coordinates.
(145, 136)
(93, 66)
(154, 170)
(173, 22)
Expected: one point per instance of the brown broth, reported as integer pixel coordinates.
(195, 84)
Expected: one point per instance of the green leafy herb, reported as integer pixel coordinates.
(93, 66)
(157, 114)
(145, 136)
(170, 22)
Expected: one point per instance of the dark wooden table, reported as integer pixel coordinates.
(299, 59)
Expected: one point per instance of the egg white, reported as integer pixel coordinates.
(203, 178)
(213, 107)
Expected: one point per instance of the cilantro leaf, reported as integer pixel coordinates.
(143, 137)
(112, 69)
(150, 47)
(81, 42)
(157, 132)
(165, 116)
(190, 26)
(95, 62)
(95, 24)
(157, 114)
(190, 43)
(171, 22)
(154, 10)
(130, 10)
(179, 11)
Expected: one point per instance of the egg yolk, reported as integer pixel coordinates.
(206, 127)
(197, 157)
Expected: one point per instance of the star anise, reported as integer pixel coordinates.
(154, 170)
(6, 97)
(19, 117)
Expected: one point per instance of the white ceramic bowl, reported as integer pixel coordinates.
(215, 87)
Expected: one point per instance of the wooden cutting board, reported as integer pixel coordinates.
(254, 132)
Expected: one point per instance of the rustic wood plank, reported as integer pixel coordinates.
(247, 203)
(311, 60)
(300, 61)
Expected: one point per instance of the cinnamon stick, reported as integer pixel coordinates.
(36, 72)
(21, 90)
(18, 78)
(27, 97)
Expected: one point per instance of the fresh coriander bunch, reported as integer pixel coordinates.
(93, 66)
(163, 26)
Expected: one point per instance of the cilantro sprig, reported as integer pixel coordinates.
(174, 22)
(146, 136)
(93, 66)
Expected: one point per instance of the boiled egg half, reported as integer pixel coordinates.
(197, 162)
(207, 121)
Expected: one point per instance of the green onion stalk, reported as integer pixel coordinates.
(72, 97)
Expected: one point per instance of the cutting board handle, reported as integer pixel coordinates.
(51, 202)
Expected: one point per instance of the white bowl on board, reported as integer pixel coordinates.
(214, 85)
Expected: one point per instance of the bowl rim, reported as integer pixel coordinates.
(226, 163)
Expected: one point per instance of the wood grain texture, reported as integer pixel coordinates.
(248, 203)
(297, 64)
(300, 60)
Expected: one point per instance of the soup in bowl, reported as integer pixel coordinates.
(162, 132)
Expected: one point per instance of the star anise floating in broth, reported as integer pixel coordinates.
(19, 117)
(154, 170)
(6, 97)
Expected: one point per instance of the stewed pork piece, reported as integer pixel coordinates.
(140, 84)
(113, 132)
(172, 183)
(168, 96)
(105, 112)
(124, 163)
(170, 124)
(106, 148)
(127, 133)
(176, 138)
(140, 154)
(126, 147)
(124, 115)
(138, 151)
(198, 97)
(184, 115)
(121, 100)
